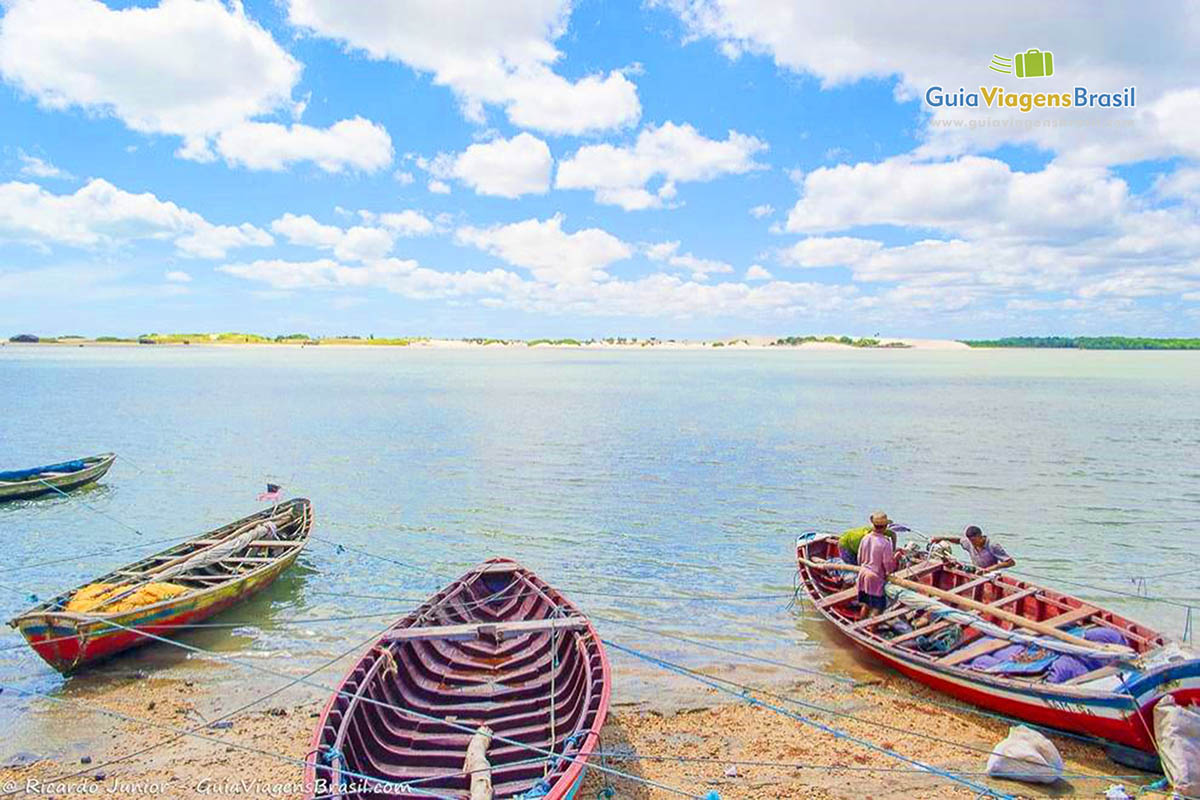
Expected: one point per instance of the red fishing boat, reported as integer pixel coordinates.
(187, 583)
(498, 665)
(1008, 645)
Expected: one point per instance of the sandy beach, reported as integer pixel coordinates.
(698, 742)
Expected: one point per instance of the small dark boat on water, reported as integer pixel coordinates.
(53, 478)
(497, 648)
(187, 583)
(1009, 645)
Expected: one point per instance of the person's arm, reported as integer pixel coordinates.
(1003, 559)
(940, 539)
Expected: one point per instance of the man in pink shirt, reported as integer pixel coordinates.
(877, 558)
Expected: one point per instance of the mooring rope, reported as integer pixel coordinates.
(835, 732)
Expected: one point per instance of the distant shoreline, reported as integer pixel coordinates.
(809, 342)
(735, 343)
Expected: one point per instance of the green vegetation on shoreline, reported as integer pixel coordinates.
(1086, 343)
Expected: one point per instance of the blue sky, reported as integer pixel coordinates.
(683, 168)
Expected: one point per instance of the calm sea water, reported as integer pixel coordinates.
(625, 478)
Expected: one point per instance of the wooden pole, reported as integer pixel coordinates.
(983, 608)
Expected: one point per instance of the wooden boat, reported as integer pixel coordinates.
(211, 573)
(1111, 700)
(53, 478)
(497, 647)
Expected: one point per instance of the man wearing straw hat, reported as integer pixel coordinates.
(877, 558)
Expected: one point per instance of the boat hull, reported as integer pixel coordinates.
(1124, 717)
(69, 641)
(479, 652)
(69, 645)
(22, 490)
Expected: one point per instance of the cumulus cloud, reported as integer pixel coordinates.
(352, 144)
(700, 268)
(970, 195)
(100, 214)
(400, 276)
(368, 242)
(488, 53)
(551, 254)
(34, 167)
(197, 69)
(757, 272)
(178, 276)
(504, 167)
(657, 296)
(669, 153)
(760, 211)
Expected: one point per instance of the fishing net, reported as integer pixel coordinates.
(93, 595)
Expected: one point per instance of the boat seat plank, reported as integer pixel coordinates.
(886, 617)
(473, 631)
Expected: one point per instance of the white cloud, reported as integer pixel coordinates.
(758, 272)
(487, 53)
(403, 178)
(403, 223)
(670, 153)
(352, 144)
(845, 42)
(197, 69)
(34, 167)
(439, 187)
(100, 214)
(178, 276)
(970, 195)
(549, 252)
(764, 210)
(656, 296)
(505, 167)
(358, 243)
(405, 277)
(700, 268)
(834, 251)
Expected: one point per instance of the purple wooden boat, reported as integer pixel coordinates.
(491, 649)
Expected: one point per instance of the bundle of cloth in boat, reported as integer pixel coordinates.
(1032, 659)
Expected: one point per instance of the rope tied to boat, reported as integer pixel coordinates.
(390, 668)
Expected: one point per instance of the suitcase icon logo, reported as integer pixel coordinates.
(1033, 63)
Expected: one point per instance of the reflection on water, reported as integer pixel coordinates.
(627, 479)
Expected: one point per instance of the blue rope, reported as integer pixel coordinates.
(745, 695)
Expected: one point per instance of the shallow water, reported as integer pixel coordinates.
(625, 478)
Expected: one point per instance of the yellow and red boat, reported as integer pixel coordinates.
(184, 584)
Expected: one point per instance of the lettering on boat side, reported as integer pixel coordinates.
(1074, 708)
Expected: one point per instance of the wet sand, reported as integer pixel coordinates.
(737, 750)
